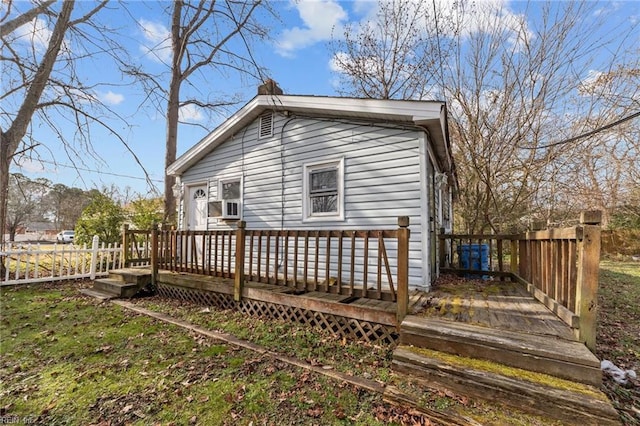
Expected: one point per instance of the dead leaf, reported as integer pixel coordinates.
(315, 412)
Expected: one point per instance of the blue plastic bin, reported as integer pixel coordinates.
(474, 257)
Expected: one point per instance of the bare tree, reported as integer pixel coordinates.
(25, 202)
(36, 81)
(65, 204)
(602, 169)
(208, 40)
(511, 86)
(43, 50)
(390, 56)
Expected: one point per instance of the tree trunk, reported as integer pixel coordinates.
(10, 140)
(173, 109)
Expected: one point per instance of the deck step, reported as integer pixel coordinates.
(543, 354)
(570, 403)
(98, 294)
(139, 276)
(116, 287)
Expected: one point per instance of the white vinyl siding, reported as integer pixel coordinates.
(381, 176)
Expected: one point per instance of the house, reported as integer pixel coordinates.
(289, 162)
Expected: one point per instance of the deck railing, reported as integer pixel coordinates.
(559, 267)
(359, 263)
(136, 246)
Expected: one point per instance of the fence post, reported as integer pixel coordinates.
(403, 268)
(239, 272)
(125, 245)
(154, 256)
(513, 268)
(94, 257)
(587, 277)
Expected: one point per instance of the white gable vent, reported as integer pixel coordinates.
(266, 125)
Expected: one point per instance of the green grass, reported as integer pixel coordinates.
(67, 360)
(72, 361)
(619, 300)
(619, 331)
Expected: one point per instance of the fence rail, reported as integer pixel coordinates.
(559, 267)
(362, 263)
(35, 263)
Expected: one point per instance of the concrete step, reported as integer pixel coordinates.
(544, 354)
(139, 276)
(540, 394)
(98, 294)
(116, 287)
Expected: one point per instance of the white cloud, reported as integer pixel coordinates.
(591, 83)
(30, 166)
(157, 44)
(111, 98)
(320, 17)
(190, 113)
(336, 60)
(36, 32)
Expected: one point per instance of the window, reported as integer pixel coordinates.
(266, 125)
(323, 191)
(199, 194)
(229, 198)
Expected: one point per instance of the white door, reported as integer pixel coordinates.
(197, 208)
(196, 221)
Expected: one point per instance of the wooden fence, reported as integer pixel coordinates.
(362, 263)
(559, 267)
(41, 263)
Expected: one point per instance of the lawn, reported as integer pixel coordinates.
(70, 360)
(619, 331)
(66, 359)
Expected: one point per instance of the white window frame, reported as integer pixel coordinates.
(307, 168)
(222, 181)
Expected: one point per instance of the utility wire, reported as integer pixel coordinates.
(69, 166)
(584, 135)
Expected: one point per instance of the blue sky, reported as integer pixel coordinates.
(297, 57)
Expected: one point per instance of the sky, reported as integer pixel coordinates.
(296, 56)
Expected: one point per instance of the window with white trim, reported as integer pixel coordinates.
(323, 188)
(229, 202)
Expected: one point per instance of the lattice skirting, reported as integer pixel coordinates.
(342, 326)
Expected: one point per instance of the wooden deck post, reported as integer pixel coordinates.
(403, 268)
(239, 270)
(513, 267)
(587, 277)
(154, 255)
(125, 245)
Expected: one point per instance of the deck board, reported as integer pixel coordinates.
(375, 304)
(500, 305)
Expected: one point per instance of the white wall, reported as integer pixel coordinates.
(381, 168)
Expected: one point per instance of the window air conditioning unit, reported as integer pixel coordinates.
(225, 209)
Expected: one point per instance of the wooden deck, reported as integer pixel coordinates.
(501, 305)
(353, 316)
(492, 340)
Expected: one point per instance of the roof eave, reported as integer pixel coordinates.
(420, 113)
